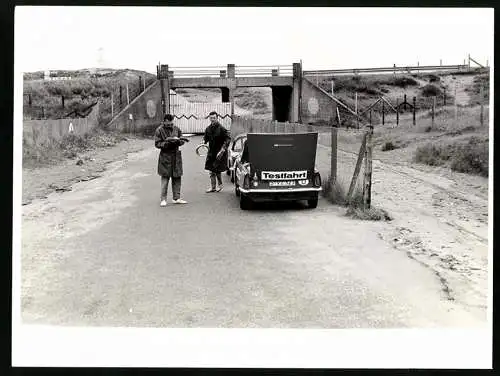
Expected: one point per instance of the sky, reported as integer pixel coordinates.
(52, 38)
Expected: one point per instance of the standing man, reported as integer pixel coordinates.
(168, 139)
(218, 140)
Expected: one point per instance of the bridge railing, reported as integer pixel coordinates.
(264, 70)
(394, 69)
(231, 71)
(193, 72)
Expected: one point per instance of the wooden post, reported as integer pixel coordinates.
(30, 100)
(121, 97)
(333, 158)
(62, 101)
(338, 115)
(144, 84)
(481, 117)
(456, 106)
(140, 83)
(383, 113)
(444, 96)
(356, 108)
(397, 111)
(433, 110)
(367, 187)
(128, 96)
(43, 112)
(414, 110)
(357, 168)
(404, 106)
(332, 88)
(370, 118)
(112, 106)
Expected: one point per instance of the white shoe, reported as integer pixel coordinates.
(179, 201)
(163, 203)
(220, 187)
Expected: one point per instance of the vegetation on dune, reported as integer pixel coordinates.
(469, 157)
(80, 92)
(69, 147)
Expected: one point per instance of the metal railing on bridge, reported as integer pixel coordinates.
(394, 69)
(231, 71)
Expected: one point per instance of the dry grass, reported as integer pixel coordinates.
(469, 157)
(336, 193)
(70, 147)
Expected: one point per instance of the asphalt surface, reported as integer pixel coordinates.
(106, 254)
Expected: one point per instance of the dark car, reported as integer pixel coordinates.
(277, 167)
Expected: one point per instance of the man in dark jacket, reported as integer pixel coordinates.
(218, 140)
(168, 139)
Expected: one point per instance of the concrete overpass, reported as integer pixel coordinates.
(295, 98)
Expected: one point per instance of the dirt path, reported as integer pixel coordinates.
(39, 182)
(440, 221)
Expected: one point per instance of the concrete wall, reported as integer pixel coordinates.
(316, 106)
(145, 110)
(44, 132)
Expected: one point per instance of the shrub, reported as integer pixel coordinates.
(431, 90)
(387, 146)
(371, 214)
(404, 81)
(432, 155)
(472, 158)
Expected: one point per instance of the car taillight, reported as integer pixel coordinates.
(317, 179)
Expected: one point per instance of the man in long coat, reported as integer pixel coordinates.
(218, 140)
(168, 139)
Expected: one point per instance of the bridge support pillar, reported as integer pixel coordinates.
(296, 94)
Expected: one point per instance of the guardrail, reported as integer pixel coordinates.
(231, 71)
(394, 69)
(264, 70)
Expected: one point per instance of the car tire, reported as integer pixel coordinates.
(313, 203)
(245, 202)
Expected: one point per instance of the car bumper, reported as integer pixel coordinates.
(281, 194)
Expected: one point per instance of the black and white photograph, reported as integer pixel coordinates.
(199, 179)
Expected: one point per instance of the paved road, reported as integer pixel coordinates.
(107, 254)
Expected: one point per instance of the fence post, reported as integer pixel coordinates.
(397, 111)
(43, 112)
(370, 118)
(414, 110)
(112, 107)
(367, 187)
(383, 113)
(444, 96)
(121, 97)
(456, 108)
(140, 83)
(144, 84)
(29, 100)
(357, 168)
(62, 101)
(481, 117)
(333, 159)
(332, 88)
(128, 96)
(433, 109)
(356, 109)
